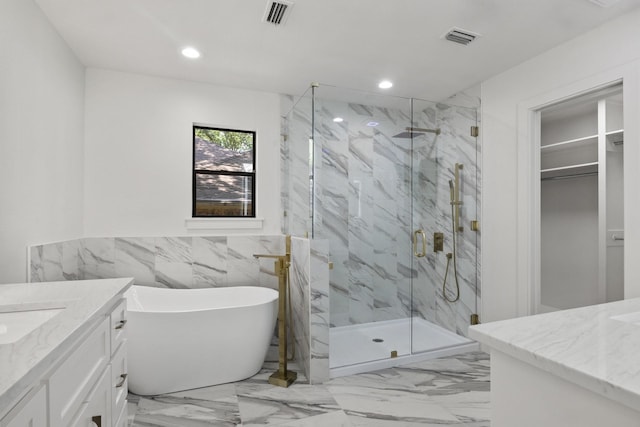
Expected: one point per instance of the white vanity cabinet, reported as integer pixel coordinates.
(86, 386)
(32, 412)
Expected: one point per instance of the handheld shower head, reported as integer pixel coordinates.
(451, 191)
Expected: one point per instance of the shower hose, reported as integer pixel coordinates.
(455, 268)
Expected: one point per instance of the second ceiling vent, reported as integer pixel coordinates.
(460, 36)
(277, 12)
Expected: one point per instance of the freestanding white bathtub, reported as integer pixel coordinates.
(181, 339)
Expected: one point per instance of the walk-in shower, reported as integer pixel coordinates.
(365, 172)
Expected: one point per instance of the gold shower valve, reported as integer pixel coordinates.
(438, 242)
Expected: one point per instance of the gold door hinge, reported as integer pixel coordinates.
(475, 131)
(475, 319)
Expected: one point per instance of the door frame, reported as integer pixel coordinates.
(528, 185)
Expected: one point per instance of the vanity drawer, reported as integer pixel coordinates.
(71, 383)
(119, 383)
(118, 325)
(97, 406)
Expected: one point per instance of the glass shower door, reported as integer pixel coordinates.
(362, 205)
(445, 195)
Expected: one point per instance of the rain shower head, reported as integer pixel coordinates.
(412, 132)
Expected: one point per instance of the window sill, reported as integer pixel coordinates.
(223, 223)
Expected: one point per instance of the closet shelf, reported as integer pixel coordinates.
(586, 140)
(568, 171)
(615, 137)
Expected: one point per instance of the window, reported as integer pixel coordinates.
(223, 172)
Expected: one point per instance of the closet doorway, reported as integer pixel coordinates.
(581, 201)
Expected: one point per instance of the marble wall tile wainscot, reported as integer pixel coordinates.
(135, 257)
(209, 261)
(97, 258)
(170, 262)
(174, 262)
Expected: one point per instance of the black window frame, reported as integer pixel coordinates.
(197, 172)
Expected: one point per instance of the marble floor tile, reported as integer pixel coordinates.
(333, 419)
(391, 405)
(269, 405)
(217, 405)
(451, 391)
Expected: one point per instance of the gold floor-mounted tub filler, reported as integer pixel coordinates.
(282, 377)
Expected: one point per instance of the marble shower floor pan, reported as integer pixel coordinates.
(369, 346)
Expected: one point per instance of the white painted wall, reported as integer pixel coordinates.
(138, 151)
(606, 48)
(41, 136)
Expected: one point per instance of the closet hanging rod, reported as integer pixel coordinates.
(575, 175)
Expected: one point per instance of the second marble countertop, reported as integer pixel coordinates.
(596, 347)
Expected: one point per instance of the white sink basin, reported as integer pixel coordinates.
(16, 324)
(628, 318)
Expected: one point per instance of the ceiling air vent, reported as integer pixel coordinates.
(463, 37)
(277, 12)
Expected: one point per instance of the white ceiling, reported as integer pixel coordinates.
(349, 43)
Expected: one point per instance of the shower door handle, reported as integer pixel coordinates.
(419, 234)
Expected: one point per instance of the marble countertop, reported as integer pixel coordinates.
(596, 347)
(24, 361)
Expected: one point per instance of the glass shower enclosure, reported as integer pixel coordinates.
(392, 184)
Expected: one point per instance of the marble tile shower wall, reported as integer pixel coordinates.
(363, 208)
(364, 205)
(435, 159)
(190, 262)
(295, 170)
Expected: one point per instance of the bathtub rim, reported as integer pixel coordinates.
(272, 294)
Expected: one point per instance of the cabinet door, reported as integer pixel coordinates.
(97, 408)
(32, 413)
(73, 380)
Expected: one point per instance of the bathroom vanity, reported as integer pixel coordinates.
(578, 367)
(63, 354)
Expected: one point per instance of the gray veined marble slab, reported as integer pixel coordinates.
(588, 346)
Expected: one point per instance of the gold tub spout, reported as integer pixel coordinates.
(282, 377)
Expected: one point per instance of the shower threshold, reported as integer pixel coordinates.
(368, 347)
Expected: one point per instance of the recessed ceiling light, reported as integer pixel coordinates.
(385, 84)
(338, 119)
(191, 52)
(373, 124)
